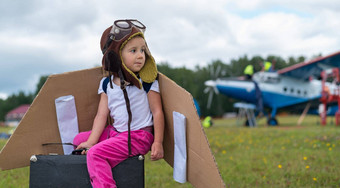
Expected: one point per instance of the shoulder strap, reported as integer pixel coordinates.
(105, 82)
(147, 86)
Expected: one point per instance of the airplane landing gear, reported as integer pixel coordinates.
(272, 122)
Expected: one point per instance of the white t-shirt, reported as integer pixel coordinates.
(139, 105)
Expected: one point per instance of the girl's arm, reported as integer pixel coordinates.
(155, 103)
(98, 123)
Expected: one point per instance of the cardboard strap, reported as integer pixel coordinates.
(57, 143)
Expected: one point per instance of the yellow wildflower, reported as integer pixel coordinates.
(314, 179)
(307, 167)
(279, 166)
(304, 158)
(265, 160)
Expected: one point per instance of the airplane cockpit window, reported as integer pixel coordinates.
(269, 77)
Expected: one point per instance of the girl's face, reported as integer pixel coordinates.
(133, 54)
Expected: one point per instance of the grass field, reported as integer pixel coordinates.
(282, 156)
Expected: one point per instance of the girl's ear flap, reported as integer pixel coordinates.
(112, 61)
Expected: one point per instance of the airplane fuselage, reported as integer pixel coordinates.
(277, 91)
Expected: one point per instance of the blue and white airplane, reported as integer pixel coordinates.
(291, 86)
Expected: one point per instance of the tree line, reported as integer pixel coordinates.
(190, 79)
(15, 100)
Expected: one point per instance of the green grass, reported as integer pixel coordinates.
(15, 178)
(284, 156)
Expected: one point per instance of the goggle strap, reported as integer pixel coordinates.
(107, 44)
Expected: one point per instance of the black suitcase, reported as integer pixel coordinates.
(130, 173)
(71, 171)
(59, 171)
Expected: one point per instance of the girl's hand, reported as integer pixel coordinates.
(157, 151)
(85, 145)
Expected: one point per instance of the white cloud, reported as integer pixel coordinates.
(3, 96)
(246, 5)
(42, 37)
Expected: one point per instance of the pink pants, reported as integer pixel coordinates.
(111, 149)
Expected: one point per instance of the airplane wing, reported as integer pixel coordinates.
(313, 68)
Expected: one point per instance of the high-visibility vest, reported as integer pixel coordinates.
(267, 65)
(249, 70)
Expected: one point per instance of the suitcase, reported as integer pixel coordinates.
(71, 171)
(59, 171)
(130, 173)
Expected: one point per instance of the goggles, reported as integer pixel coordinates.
(122, 28)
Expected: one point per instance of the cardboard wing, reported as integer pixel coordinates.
(202, 169)
(39, 125)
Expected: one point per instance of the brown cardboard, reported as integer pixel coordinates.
(39, 125)
(202, 169)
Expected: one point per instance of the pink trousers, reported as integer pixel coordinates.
(111, 149)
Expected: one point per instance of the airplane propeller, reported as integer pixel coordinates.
(211, 89)
(211, 84)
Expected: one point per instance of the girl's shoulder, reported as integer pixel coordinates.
(105, 83)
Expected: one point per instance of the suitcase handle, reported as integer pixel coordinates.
(78, 151)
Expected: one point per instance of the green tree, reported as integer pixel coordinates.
(2, 110)
(14, 101)
(293, 61)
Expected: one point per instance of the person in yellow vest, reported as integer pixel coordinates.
(249, 71)
(267, 66)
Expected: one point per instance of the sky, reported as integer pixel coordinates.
(40, 37)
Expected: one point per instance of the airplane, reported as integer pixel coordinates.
(298, 84)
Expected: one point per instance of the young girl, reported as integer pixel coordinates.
(127, 57)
